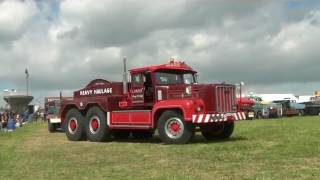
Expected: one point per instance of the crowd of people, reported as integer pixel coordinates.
(9, 120)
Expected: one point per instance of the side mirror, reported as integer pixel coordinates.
(196, 76)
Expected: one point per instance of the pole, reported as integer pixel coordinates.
(240, 100)
(27, 86)
(125, 76)
(27, 81)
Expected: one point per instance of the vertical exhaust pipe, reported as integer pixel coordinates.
(125, 76)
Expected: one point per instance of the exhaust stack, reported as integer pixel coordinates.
(125, 76)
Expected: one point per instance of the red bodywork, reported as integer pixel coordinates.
(141, 107)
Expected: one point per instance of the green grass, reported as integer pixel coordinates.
(287, 148)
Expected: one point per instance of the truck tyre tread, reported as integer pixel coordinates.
(211, 134)
(51, 127)
(79, 133)
(103, 133)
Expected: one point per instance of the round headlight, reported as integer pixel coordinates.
(198, 109)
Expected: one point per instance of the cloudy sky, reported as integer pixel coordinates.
(271, 45)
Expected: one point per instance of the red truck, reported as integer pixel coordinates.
(245, 105)
(164, 97)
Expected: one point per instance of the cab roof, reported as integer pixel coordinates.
(171, 65)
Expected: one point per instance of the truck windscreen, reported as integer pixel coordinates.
(167, 78)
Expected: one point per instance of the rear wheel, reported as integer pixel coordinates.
(219, 132)
(51, 127)
(74, 125)
(173, 129)
(96, 126)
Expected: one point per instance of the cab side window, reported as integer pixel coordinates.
(136, 80)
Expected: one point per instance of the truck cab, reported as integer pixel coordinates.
(150, 85)
(164, 97)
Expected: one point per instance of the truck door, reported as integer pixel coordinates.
(148, 87)
(137, 89)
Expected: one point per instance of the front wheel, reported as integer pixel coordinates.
(219, 132)
(173, 129)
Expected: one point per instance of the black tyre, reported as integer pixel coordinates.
(220, 132)
(52, 127)
(142, 134)
(97, 129)
(173, 129)
(259, 115)
(121, 134)
(301, 113)
(74, 125)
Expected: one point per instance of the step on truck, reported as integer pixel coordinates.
(166, 98)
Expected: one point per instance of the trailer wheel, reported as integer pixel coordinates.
(96, 126)
(74, 125)
(220, 132)
(173, 129)
(121, 134)
(52, 127)
(143, 134)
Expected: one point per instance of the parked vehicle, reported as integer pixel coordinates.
(272, 110)
(313, 106)
(52, 113)
(291, 108)
(246, 105)
(264, 109)
(164, 97)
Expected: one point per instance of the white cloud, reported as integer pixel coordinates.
(228, 41)
(15, 17)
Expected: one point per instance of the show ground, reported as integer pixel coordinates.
(286, 148)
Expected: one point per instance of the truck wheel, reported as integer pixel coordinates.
(96, 126)
(121, 134)
(223, 131)
(173, 129)
(51, 127)
(142, 134)
(74, 125)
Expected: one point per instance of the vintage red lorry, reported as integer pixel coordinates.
(165, 97)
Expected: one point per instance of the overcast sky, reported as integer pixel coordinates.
(271, 45)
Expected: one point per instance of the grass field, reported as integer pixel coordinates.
(288, 148)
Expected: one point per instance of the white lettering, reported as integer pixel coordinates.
(96, 92)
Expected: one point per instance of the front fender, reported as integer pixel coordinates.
(187, 107)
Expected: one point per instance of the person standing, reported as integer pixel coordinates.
(11, 122)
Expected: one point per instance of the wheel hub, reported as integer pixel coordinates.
(73, 124)
(94, 125)
(174, 128)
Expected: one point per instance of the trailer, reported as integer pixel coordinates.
(166, 98)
